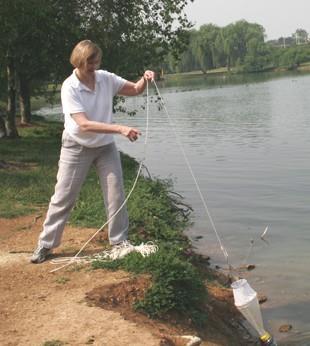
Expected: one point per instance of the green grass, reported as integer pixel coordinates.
(32, 159)
(177, 287)
(54, 343)
(62, 280)
(197, 73)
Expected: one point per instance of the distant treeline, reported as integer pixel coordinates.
(240, 45)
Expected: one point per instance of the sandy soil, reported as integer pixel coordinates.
(80, 306)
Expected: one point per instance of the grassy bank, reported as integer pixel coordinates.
(304, 67)
(27, 175)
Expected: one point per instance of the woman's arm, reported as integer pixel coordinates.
(87, 125)
(132, 89)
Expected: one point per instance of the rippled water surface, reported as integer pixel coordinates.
(248, 143)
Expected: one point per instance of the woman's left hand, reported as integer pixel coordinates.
(149, 75)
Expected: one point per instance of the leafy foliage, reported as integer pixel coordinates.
(240, 45)
(211, 46)
(177, 286)
(37, 36)
(292, 57)
(54, 343)
(136, 34)
(153, 212)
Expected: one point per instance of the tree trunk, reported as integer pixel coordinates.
(24, 99)
(228, 63)
(2, 127)
(10, 119)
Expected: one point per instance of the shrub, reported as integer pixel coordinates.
(177, 286)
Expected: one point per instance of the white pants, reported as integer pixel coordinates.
(74, 164)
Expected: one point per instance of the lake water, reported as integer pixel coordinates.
(247, 139)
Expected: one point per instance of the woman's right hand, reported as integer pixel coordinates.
(130, 132)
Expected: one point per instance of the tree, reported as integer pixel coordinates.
(136, 34)
(23, 39)
(258, 57)
(294, 56)
(188, 60)
(229, 38)
(300, 36)
(36, 37)
(212, 46)
(204, 46)
(7, 36)
(51, 47)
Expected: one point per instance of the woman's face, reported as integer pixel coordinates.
(91, 65)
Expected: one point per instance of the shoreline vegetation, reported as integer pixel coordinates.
(304, 67)
(239, 46)
(181, 289)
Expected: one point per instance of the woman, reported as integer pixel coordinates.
(87, 100)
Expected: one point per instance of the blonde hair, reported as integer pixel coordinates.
(84, 51)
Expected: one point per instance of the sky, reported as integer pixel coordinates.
(278, 17)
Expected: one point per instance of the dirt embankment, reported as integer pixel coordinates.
(79, 306)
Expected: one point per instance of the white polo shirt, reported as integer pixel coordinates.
(77, 97)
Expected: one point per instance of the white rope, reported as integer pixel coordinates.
(122, 250)
(193, 176)
(149, 249)
(117, 252)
